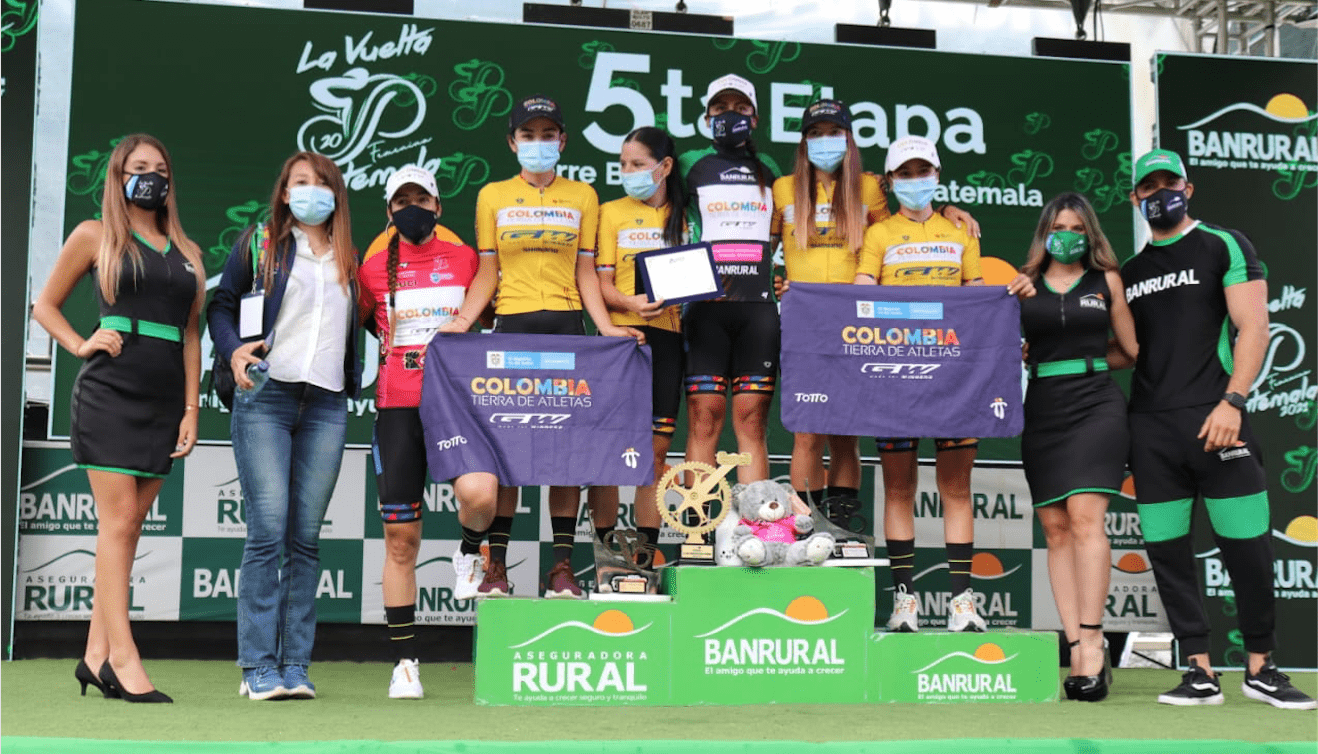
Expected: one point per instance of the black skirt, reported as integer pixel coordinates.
(1076, 438)
(126, 409)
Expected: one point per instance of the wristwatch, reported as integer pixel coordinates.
(1236, 400)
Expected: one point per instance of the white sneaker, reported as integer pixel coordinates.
(470, 571)
(961, 614)
(406, 681)
(905, 612)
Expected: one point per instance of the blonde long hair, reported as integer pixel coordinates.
(1099, 256)
(339, 222)
(117, 231)
(847, 208)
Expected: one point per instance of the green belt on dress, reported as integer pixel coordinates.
(142, 327)
(1068, 367)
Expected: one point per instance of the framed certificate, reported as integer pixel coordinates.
(679, 274)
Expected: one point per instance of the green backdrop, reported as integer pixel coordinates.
(243, 88)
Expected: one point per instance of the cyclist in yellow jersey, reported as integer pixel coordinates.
(651, 216)
(536, 236)
(821, 234)
(919, 247)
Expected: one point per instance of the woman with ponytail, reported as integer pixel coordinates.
(289, 291)
(651, 216)
(407, 291)
(134, 407)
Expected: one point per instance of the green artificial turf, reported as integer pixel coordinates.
(39, 698)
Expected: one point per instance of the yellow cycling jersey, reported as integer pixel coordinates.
(825, 260)
(537, 235)
(628, 227)
(901, 251)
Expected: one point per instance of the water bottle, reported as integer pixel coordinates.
(259, 374)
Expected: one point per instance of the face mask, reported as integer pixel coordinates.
(311, 205)
(537, 156)
(826, 152)
(415, 222)
(640, 185)
(1066, 246)
(915, 193)
(1164, 208)
(730, 129)
(147, 190)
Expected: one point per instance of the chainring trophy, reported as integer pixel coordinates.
(693, 514)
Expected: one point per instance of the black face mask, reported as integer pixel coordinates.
(147, 190)
(1164, 208)
(730, 129)
(415, 222)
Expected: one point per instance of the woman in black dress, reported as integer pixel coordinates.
(1075, 440)
(134, 407)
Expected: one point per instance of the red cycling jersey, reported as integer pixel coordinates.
(431, 281)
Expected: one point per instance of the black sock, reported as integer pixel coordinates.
(834, 491)
(959, 555)
(901, 561)
(811, 496)
(402, 631)
(500, 532)
(565, 535)
(603, 532)
(471, 541)
(651, 535)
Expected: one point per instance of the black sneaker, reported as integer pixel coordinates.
(1197, 687)
(1274, 687)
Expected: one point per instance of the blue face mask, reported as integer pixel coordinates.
(915, 193)
(538, 156)
(640, 185)
(826, 152)
(311, 205)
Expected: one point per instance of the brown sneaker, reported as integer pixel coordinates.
(561, 583)
(495, 583)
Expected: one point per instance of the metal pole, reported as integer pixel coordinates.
(1270, 31)
(1222, 39)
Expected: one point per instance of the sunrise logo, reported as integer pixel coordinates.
(610, 623)
(987, 653)
(1132, 563)
(802, 611)
(1301, 531)
(986, 567)
(1282, 108)
(1128, 488)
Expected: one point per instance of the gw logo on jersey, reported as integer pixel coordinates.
(540, 234)
(933, 272)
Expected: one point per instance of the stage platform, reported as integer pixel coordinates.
(43, 714)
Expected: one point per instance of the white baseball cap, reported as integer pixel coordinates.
(910, 148)
(410, 174)
(731, 82)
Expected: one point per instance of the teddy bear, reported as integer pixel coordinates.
(766, 530)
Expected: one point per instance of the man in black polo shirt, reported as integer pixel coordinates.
(1199, 300)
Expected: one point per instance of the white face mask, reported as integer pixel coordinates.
(641, 184)
(311, 205)
(538, 156)
(826, 152)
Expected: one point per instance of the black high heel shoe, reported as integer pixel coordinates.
(1107, 653)
(1069, 683)
(111, 681)
(85, 676)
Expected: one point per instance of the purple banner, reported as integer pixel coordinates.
(538, 409)
(896, 361)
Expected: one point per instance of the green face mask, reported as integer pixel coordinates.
(1066, 246)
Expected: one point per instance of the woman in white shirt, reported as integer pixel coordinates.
(285, 313)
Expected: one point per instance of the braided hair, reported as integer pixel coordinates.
(391, 264)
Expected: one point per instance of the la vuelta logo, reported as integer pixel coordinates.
(367, 117)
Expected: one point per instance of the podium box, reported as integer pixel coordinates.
(936, 666)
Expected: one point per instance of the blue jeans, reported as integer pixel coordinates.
(288, 443)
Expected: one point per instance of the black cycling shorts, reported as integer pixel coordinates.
(912, 444)
(733, 341)
(399, 451)
(666, 387)
(541, 323)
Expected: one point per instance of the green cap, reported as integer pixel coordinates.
(1159, 159)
